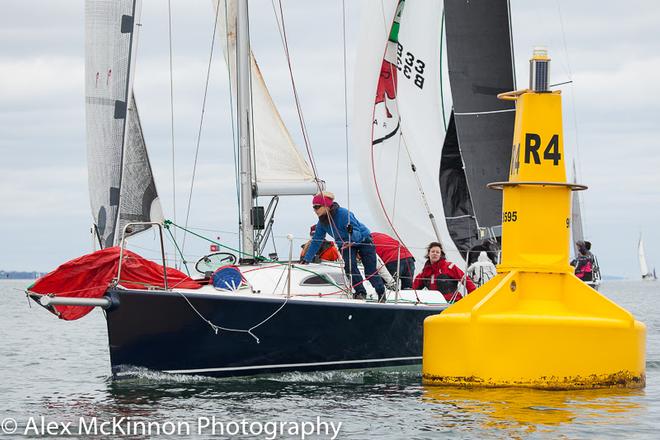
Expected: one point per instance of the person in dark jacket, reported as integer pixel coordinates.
(398, 260)
(327, 251)
(439, 274)
(584, 262)
(352, 237)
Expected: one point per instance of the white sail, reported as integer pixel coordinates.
(280, 169)
(386, 142)
(120, 179)
(643, 266)
(576, 214)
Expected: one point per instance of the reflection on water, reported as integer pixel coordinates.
(529, 409)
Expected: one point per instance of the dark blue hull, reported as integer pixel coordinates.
(161, 331)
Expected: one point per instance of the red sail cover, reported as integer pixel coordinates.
(90, 275)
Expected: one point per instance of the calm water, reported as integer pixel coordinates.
(60, 370)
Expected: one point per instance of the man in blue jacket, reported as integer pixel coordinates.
(352, 237)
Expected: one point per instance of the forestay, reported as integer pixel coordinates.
(280, 169)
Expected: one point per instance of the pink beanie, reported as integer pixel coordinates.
(323, 199)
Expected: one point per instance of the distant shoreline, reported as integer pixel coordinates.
(17, 275)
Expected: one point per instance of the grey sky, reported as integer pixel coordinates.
(610, 51)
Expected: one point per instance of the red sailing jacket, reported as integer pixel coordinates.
(428, 277)
(387, 248)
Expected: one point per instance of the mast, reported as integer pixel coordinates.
(244, 134)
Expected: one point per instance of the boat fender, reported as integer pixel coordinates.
(227, 278)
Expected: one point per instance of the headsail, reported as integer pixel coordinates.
(138, 199)
(113, 128)
(396, 114)
(280, 169)
(419, 171)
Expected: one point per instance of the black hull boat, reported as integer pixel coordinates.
(246, 334)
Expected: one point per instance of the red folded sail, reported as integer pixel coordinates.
(89, 276)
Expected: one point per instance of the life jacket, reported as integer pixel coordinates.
(584, 268)
(328, 251)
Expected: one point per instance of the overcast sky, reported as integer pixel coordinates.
(610, 50)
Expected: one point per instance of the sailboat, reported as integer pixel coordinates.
(643, 266)
(277, 316)
(577, 232)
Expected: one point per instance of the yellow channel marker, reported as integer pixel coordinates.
(535, 324)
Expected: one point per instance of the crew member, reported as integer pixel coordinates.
(327, 251)
(442, 275)
(398, 260)
(352, 237)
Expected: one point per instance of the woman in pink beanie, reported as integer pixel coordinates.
(352, 237)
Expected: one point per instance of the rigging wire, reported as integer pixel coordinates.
(201, 120)
(303, 126)
(348, 162)
(575, 123)
(442, 95)
(169, 16)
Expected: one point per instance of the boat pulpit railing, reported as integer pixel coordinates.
(128, 230)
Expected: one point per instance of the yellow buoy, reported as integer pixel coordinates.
(535, 324)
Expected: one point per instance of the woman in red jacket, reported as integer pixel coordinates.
(439, 274)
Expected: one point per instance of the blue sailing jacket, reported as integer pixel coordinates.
(337, 229)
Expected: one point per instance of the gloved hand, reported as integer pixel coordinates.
(303, 261)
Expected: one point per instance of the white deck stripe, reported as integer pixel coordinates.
(485, 113)
(309, 364)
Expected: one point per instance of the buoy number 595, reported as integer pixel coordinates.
(509, 216)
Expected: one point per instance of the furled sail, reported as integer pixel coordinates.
(280, 169)
(121, 184)
(425, 185)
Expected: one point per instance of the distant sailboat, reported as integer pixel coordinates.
(577, 230)
(643, 266)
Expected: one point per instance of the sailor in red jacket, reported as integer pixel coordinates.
(439, 274)
(397, 258)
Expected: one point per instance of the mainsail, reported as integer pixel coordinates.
(426, 183)
(121, 184)
(280, 169)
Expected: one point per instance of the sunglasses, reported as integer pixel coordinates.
(315, 207)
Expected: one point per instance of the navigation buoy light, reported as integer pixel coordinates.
(539, 70)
